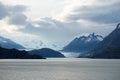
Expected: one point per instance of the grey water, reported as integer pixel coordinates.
(60, 69)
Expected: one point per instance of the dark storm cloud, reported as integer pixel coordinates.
(100, 14)
(14, 13)
(18, 8)
(17, 19)
(3, 11)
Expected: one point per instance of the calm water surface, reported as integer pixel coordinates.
(60, 69)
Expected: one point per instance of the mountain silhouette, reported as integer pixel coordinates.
(16, 54)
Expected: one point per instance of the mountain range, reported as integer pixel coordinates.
(83, 43)
(108, 48)
(91, 46)
(8, 49)
(7, 43)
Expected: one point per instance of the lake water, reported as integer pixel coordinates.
(60, 69)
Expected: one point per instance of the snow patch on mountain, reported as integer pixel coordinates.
(37, 43)
(83, 43)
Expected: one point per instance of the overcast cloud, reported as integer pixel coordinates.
(77, 18)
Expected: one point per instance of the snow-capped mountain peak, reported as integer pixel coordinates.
(83, 43)
(93, 37)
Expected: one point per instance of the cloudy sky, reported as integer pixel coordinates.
(57, 21)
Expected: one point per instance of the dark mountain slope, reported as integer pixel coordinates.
(108, 48)
(16, 54)
(48, 53)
